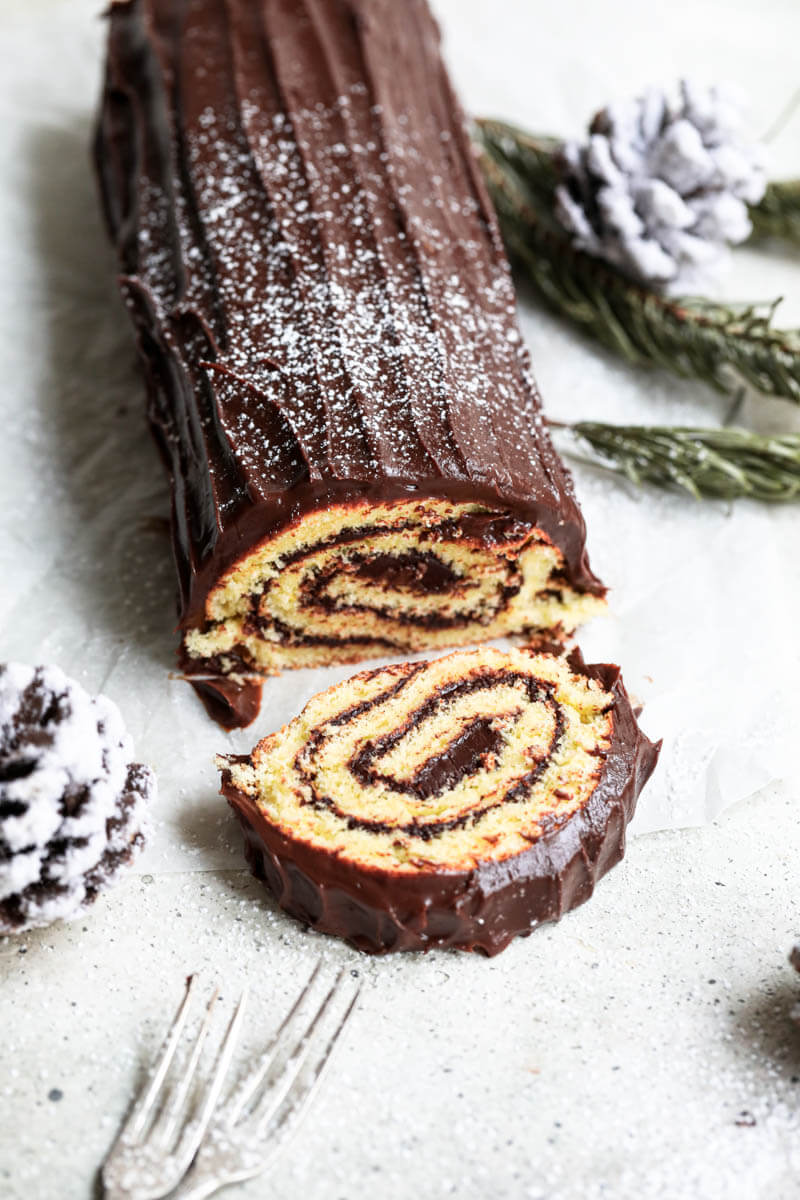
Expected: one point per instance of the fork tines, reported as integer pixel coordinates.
(174, 1122)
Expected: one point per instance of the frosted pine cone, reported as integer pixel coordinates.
(71, 801)
(661, 189)
(794, 959)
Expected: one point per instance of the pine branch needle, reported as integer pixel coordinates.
(778, 214)
(724, 345)
(723, 464)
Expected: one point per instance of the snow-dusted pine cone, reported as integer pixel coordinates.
(72, 804)
(661, 188)
(794, 959)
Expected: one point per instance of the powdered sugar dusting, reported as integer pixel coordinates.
(329, 233)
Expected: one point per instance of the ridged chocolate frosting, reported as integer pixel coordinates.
(309, 256)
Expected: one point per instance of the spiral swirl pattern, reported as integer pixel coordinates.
(362, 580)
(437, 766)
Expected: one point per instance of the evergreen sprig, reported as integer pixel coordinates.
(692, 337)
(778, 214)
(721, 464)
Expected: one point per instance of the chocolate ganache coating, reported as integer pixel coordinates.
(322, 302)
(381, 910)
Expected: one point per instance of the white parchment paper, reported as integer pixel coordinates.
(704, 596)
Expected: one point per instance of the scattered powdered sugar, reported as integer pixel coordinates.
(71, 801)
(377, 314)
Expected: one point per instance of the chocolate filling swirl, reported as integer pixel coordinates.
(475, 744)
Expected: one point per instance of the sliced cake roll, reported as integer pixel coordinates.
(458, 802)
(366, 579)
(324, 312)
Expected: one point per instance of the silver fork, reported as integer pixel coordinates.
(148, 1161)
(266, 1105)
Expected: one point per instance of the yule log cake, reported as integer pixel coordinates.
(324, 311)
(458, 802)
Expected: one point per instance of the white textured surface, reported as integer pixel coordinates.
(537, 1074)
